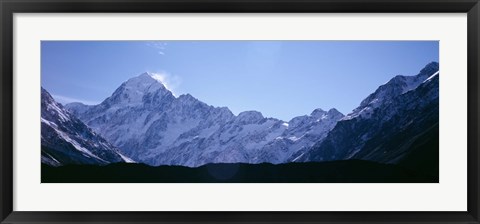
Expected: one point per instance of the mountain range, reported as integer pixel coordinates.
(143, 121)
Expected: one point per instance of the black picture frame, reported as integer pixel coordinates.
(9, 7)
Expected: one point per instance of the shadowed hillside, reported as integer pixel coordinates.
(349, 171)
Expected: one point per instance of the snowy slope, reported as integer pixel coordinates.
(388, 124)
(66, 140)
(396, 86)
(300, 134)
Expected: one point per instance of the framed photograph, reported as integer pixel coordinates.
(232, 111)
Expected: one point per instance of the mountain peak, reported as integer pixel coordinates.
(318, 112)
(145, 74)
(250, 116)
(334, 112)
(429, 69)
(145, 79)
(430, 66)
(186, 96)
(135, 89)
(46, 96)
(188, 99)
(398, 85)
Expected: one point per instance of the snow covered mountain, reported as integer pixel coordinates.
(300, 135)
(395, 87)
(67, 140)
(152, 126)
(398, 120)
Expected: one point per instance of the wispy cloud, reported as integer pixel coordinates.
(65, 99)
(159, 46)
(171, 82)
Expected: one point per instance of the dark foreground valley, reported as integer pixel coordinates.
(347, 171)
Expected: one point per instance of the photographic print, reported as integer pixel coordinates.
(243, 111)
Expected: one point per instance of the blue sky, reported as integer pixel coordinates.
(281, 79)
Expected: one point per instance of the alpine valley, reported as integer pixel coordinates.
(392, 134)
